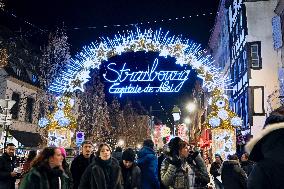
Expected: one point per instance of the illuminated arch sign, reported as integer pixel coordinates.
(152, 80)
(76, 73)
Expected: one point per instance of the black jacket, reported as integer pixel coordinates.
(95, 176)
(7, 166)
(233, 176)
(78, 166)
(247, 166)
(131, 177)
(215, 169)
(267, 151)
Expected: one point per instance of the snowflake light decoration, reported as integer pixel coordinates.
(76, 73)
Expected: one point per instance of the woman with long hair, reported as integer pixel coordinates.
(103, 173)
(46, 171)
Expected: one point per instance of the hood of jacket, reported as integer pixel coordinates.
(268, 143)
(145, 151)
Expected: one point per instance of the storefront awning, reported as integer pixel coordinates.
(27, 139)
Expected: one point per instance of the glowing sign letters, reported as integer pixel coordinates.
(143, 81)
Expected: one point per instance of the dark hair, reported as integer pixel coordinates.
(10, 144)
(176, 144)
(118, 149)
(246, 155)
(148, 143)
(42, 160)
(86, 142)
(100, 148)
(233, 157)
(32, 155)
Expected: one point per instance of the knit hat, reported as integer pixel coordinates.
(174, 145)
(128, 155)
(273, 128)
(63, 152)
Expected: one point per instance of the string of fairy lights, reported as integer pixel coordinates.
(111, 26)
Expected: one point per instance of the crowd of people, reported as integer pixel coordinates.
(179, 166)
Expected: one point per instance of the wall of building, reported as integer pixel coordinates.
(260, 29)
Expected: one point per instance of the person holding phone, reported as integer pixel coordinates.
(183, 168)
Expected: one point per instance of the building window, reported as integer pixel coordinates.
(29, 110)
(255, 55)
(258, 100)
(15, 109)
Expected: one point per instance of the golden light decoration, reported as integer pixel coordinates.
(59, 137)
(223, 142)
(61, 117)
(3, 58)
(221, 116)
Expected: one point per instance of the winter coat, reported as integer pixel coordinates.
(131, 177)
(266, 149)
(95, 178)
(160, 160)
(7, 166)
(37, 179)
(192, 174)
(247, 166)
(215, 169)
(177, 178)
(148, 163)
(117, 155)
(78, 166)
(233, 176)
(201, 175)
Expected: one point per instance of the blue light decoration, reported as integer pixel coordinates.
(43, 122)
(63, 122)
(170, 81)
(76, 73)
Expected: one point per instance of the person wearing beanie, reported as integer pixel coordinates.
(182, 169)
(148, 163)
(66, 168)
(131, 173)
(266, 149)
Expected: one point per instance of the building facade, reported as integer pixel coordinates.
(253, 63)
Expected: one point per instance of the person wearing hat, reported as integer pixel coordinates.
(131, 173)
(267, 150)
(66, 166)
(183, 168)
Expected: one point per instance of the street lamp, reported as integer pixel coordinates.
(176, 115)
(5, 116)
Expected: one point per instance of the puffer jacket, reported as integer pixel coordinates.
(177, 178)
(191, 175)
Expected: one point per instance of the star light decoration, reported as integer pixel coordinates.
(61, 117)
(184, 51)
(221, 116)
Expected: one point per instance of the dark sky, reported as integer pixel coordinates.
(84, 21)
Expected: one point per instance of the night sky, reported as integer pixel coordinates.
(87, 20)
